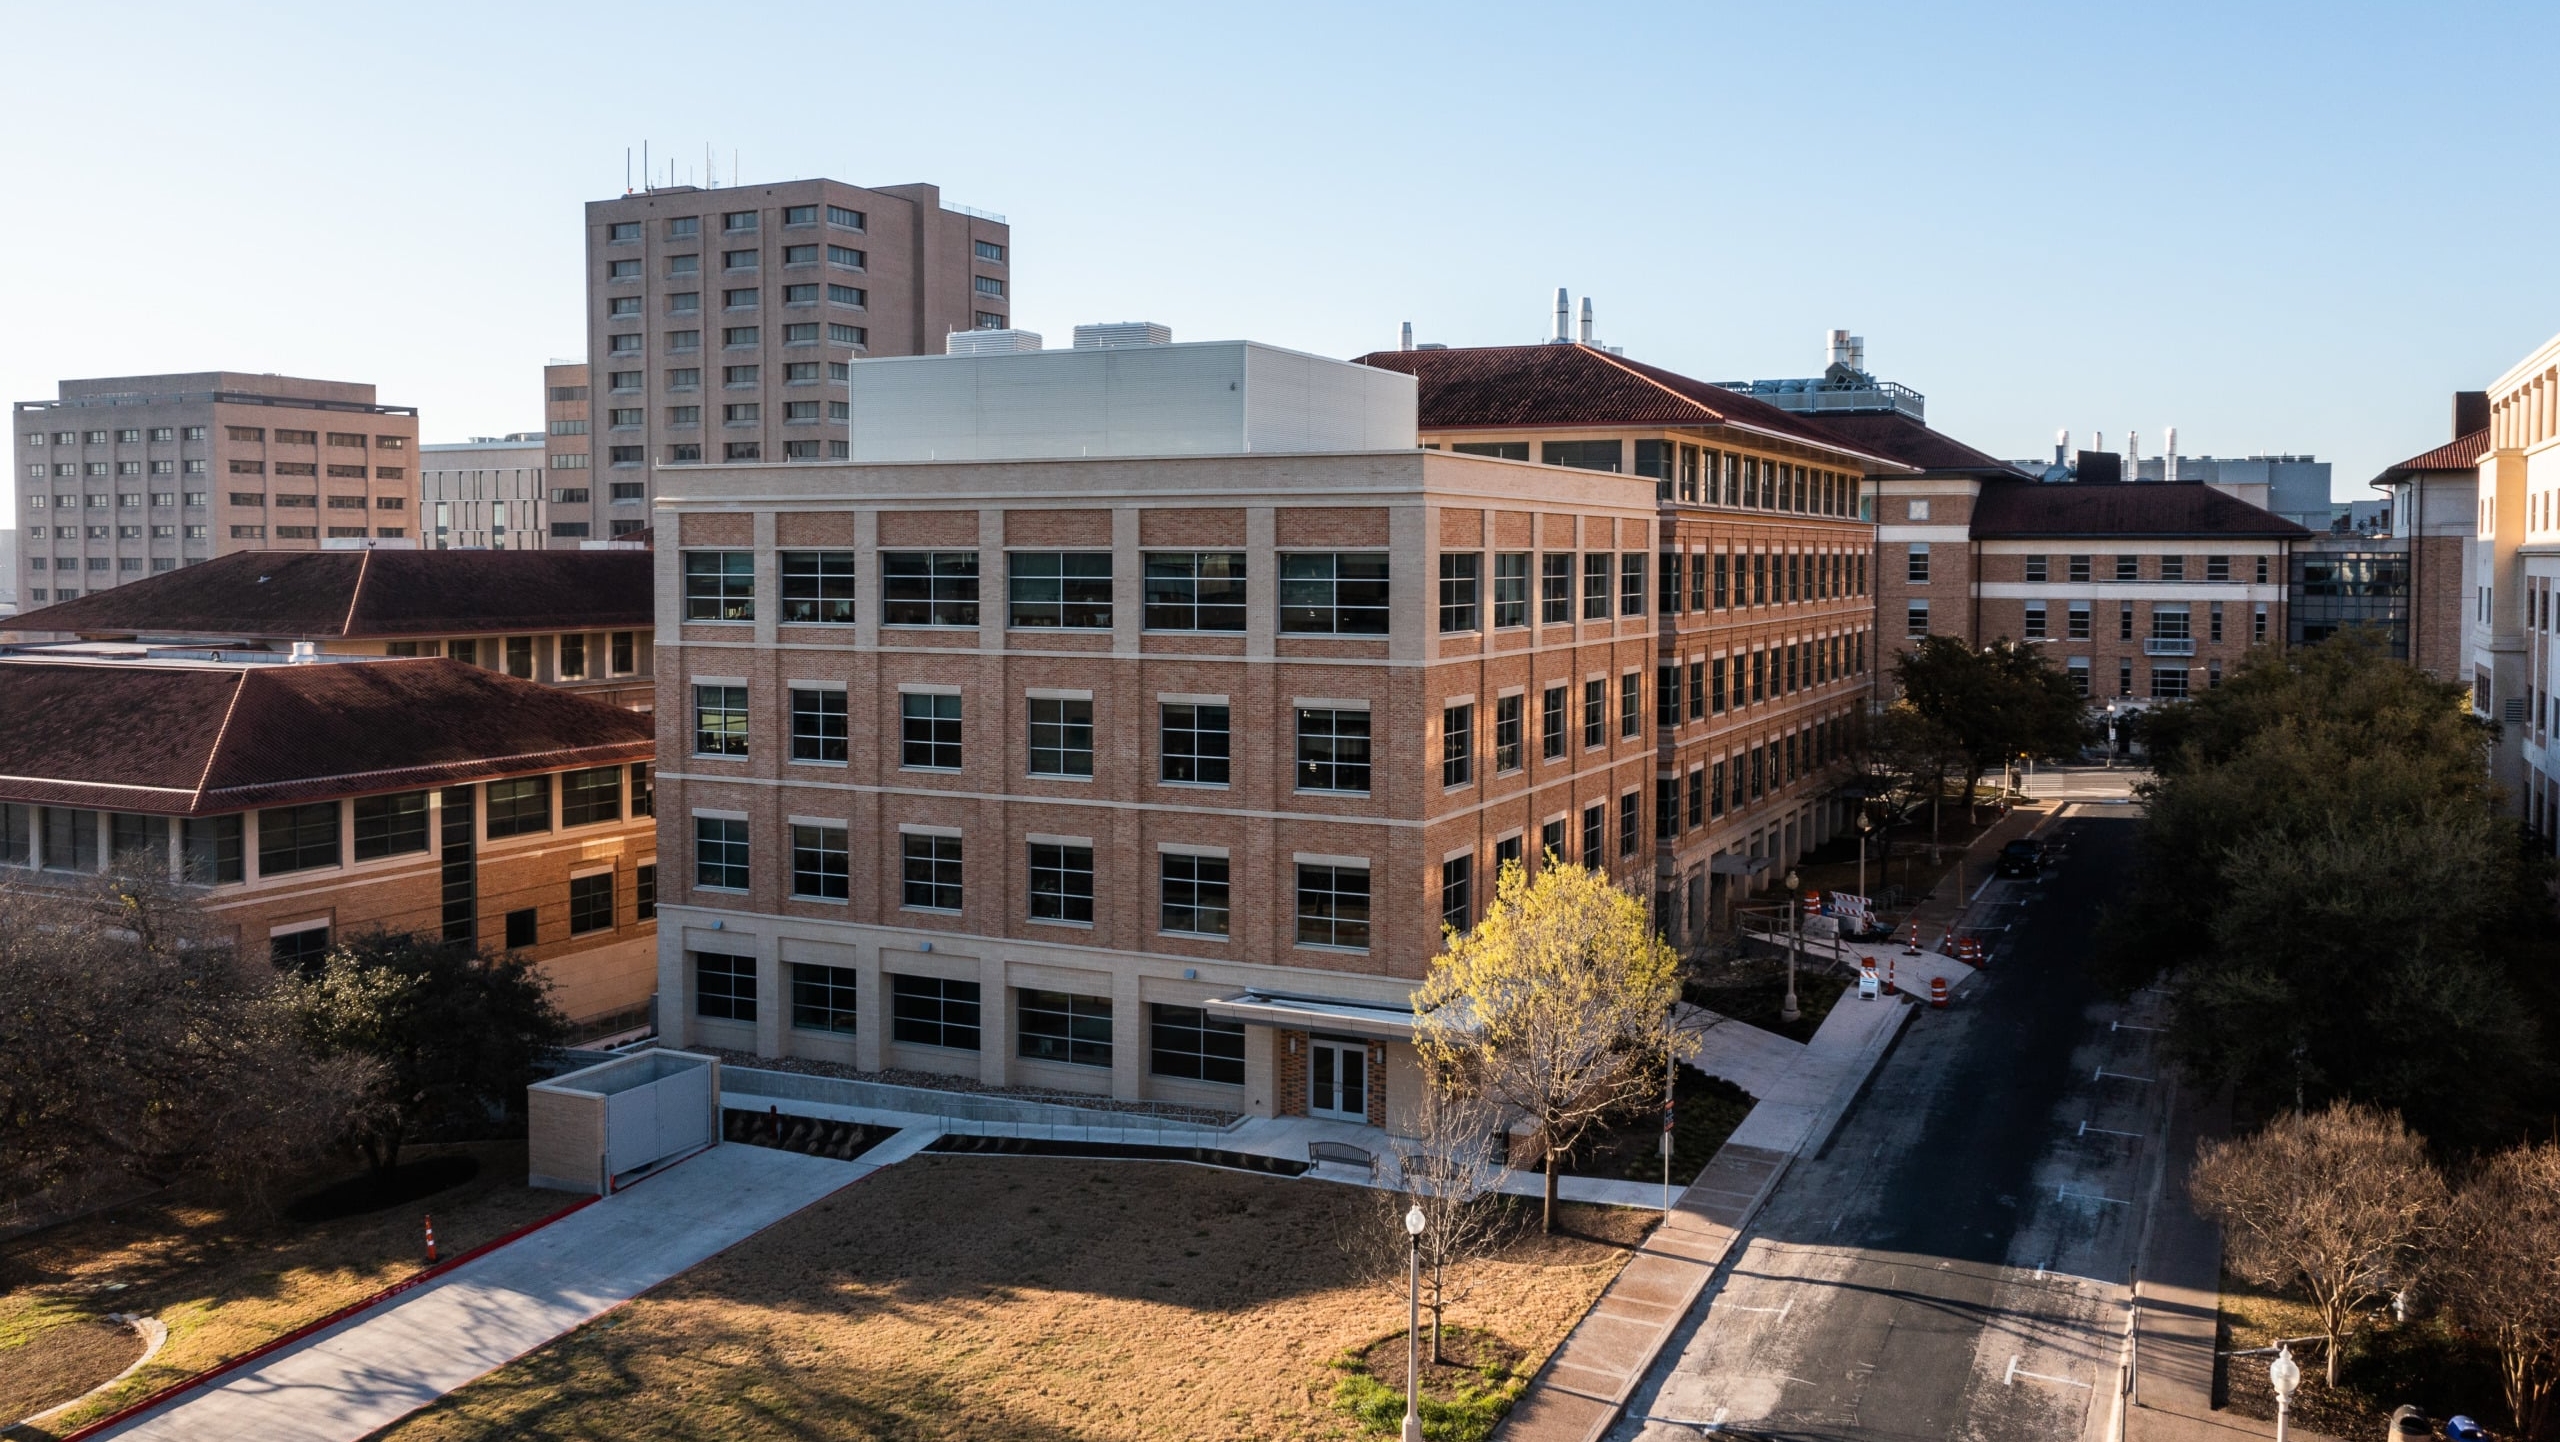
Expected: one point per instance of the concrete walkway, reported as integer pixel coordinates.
(377, 1367)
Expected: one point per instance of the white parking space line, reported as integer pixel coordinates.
(2129, 1026)
(1772, 1311)
(2063, 1193)
(2016, 1372)
(2103, 1074)
(2085, 1129)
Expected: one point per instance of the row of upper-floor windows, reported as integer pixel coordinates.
(2169, 621)
(1324, 593)
(36, 470)
(320, 835)
(689, 378)
(2038, 567)
(1696, 475)
(735, 222)
(1195, 742)
(629, 346)
(843, 257)
(1731, 783)
(689, 302)
(134, 435)
(1716, 684)
(1718, 580)
(573, 656)
(737, 413)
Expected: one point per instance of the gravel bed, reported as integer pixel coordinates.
(942, 1082)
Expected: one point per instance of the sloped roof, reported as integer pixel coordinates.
(310, 595)
(1898, 437)
(2457, 455)
(2021, 509)
(1555, 386)
(181, 739)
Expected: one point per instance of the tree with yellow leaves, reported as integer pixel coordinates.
(1555, 1008)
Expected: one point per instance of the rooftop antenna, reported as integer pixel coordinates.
(710, 168)
(644, 166)
(626, 170)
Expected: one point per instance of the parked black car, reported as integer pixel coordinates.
(2022, 857)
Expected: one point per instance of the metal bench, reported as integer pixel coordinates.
(1342, 1154)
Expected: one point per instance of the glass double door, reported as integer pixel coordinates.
(1338, 1080)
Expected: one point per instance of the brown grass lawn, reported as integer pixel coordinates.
(221, 1282)
(1021, 1298)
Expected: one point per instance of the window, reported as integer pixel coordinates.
(740, 335)
(724, 987)
(849, 219)
(2079, 621)
(622, 345)
(1510, 589)
(643, 799)
(1583, 455)
(1333, 905)
(1458, 581)
(2128, 568)
(738, 220)
(817, 587)
(1667, 566)
(739, 298)
(238, 433)
(1915, 619)
(2258, 622)
(930, 871)
(929, 730)
(644, 891)
(1506, 733)
(1917, 568)
(211, 848)
(719, 585)
(1333, 750)
(1061, 736)
(1061, 882)
(1595, 587)
(519, 807)
(1457, 745)
(1192, 743)
(720, 853)
(2169, 683)
(1555, 590)
(590, 795)
(2124, 620)
(1059, 1026)
(1195, 590)
(2033, 627)
(1595, 823)
(846, 295)
(1595, 712)
(845, 256)
(929, 588)
(1063, 589)
(590, 903)
(987, 285)
(848, 334)
(290, 838)
(821, 862)
(2215, 622)
(822, 998)
(1194, 893)
(683, 340)
(623, 653)
(1631, 584)
(1551, 723)
(622, 270)
(1631, 704)
(1188, 1043)
(818, 725)
(720, 720)
(390, 825)
(2077, 568)
(2173, 568)
(2217, 568)
(622, 306)
(1334, 593)
(2124, 676)
(1457, 907)
(1698, 690)
(989, 320)
(741, 412)
(2078, 669)
(622, 230)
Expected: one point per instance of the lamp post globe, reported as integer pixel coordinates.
(2285, 1374)
(1414, 1222)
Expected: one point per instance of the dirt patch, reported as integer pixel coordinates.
(962, 1297)
(58, 1363)
(1755, 992)
(1631, 1147)
(225, 1280)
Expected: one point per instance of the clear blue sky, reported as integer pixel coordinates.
(2276, 227)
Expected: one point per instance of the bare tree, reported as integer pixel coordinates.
(1452, 1167)
(2334, 1202)
(1554, 1009)
(2501, 1262)
(134, 1040)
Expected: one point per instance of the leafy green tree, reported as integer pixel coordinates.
(456, 1034)
(2347, 916)
(1996, 703)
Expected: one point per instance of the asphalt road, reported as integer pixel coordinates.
(1952, 1264)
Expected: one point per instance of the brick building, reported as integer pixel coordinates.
(2512, 571)
(1144, 750)
(128, 476)
(1765, 642)
(577, 620)
(323, 798)
(2435, 510)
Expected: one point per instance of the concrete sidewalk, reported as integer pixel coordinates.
(369, 1371)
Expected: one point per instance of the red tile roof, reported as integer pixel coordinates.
(1899, 437)
(195, 740)
(2025, 509)
(2457, 455)
(1555, 386)
(314, 595)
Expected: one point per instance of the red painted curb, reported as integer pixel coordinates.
(416, 1279)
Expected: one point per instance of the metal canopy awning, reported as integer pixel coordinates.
(1383, 1021)
(1739, 865)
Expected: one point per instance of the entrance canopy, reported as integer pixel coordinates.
(1382, 1021)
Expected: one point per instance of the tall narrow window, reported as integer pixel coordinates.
(1458, 599)
(1506, 733)
(1457, 745)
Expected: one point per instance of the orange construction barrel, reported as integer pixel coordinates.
(1938, 991)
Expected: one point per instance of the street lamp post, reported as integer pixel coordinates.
(2286, 1374)
(1795, 944)
(2111, 736)
(1865, 825)
(1413, 1224)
